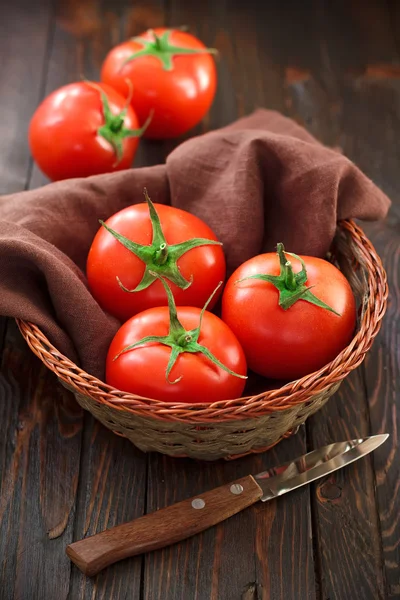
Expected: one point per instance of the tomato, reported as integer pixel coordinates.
(142, 370)
(288, 344)
(83, 129)
(112, 268)
(172, 73)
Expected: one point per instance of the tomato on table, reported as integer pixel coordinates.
(179, 354)
(84, 129)
(143, 239)
(290, 320)
(172, 73)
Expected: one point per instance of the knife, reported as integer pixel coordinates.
(189, 517)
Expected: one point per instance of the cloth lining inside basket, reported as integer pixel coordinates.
(261, 180)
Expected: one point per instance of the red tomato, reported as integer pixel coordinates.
(288, 344)
(179, 87)
(109, 259)
(142, 371)
(73, 134)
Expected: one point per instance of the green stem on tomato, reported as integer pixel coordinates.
(179, 339)
(291, 286)
(157, 41)
(159, 257)
(113, 129)
(161, 48)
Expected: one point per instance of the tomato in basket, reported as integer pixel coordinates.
(172, 73)
(291, 319)
(143, 239)
(179, 354)
(84, 129)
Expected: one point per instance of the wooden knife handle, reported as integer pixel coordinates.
(163, 527)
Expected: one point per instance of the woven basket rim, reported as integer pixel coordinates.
(278, 399)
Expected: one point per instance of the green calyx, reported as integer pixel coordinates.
(114, 130)
(291, 286)
(161, 48)
(159, 258)
(179, 339)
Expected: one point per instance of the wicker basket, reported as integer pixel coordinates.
(234, 427)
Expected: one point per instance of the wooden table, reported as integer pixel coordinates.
(335, 68)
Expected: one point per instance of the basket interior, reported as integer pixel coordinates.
(354, 255)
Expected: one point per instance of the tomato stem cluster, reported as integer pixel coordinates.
(291, 286)
(113, 130)
(159, 258)
(159, 43)
(161, 48)
(180, 339)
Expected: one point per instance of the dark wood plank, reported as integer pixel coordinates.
(252, 555)
(256, 548)
(372, 140)
(3, 325)
(39, 462)
(106, 485)
(25, 33)
(382, 374)
(283, 535)
(112, 487)
(345, 513)
(394, 13)
(39, 448)
(111, 473)
(345, 96)
(199, 568)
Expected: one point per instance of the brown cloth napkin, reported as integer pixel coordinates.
(259, 181)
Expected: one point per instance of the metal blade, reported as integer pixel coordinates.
(316, 464)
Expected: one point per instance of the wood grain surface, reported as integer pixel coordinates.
(330, 92)
(259, 545)
(335, 68)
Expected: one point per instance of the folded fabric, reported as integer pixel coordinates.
(259, 181)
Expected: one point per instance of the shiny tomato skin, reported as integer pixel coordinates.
(108, 259)
(63, 133)
(289, 344)
(142, 371)
(180, 97)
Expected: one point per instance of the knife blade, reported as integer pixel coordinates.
(318, 463)
(189, 517)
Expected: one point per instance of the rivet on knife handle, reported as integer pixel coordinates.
(164, 527)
